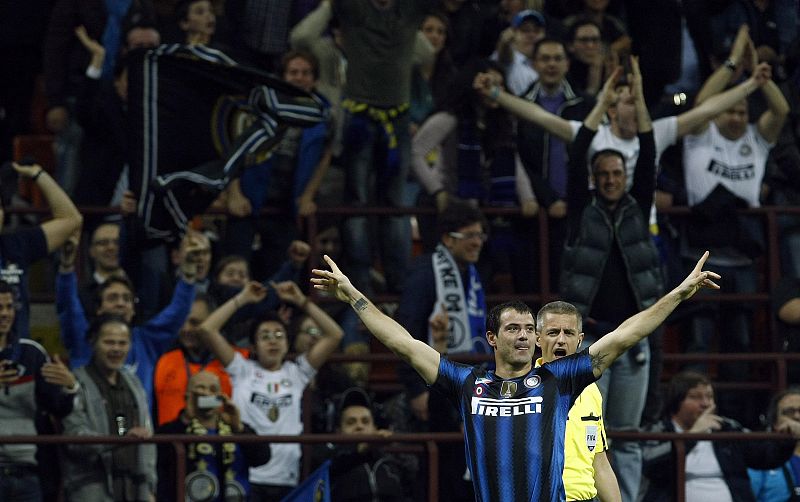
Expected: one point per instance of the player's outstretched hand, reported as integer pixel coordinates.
(697, 279)
(334, 282)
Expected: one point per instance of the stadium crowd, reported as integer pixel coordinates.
(192, 312)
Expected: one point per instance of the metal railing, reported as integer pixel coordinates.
(429, 442)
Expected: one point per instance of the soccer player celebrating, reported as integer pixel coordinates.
(514, 416)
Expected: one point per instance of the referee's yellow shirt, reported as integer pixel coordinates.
(585, 437)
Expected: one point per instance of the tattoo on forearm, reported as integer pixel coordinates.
(360, 304)
(598, 360)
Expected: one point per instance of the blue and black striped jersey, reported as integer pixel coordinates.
(515, 428)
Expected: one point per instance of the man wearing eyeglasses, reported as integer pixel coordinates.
(544, 154)
(104, 257)
(443, 305)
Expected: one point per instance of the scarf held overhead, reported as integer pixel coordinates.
(197, 118)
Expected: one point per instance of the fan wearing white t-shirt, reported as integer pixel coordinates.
(620, 133)
(267, 389)
(724, 163)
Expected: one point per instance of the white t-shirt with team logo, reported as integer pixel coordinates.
(270, 403)
(665, 134)
(738, 165)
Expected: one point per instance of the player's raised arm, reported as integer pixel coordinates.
(421, 356)
(606, 350)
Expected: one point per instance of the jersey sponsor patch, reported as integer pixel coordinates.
(735, 173)
(265, 402)
(506, 407)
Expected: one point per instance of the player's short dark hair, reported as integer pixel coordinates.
(101, 320)
(458, 215)
(679, 386)
(605, 152)
(558, 307)
(493, 319)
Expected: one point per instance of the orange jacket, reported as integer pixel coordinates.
(172, 376)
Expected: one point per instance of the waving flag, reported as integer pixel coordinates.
(198, 118)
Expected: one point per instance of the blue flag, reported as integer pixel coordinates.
(316, 487)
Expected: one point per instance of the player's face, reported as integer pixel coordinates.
(271, 344)
(609, 178)
(357, 420)
(7, 313)
(514, 341)
(559, 336)
(732, 123)
(697, 400)
(112, 345)
(465, 245)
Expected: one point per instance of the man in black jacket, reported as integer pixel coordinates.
(361, 471)
(611, 268)
(544, 154)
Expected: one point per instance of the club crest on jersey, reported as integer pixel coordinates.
(508, 389)
(745, 150)
(532, 381)
(591, 437)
